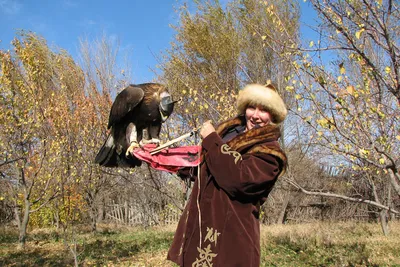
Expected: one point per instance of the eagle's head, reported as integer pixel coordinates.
(166, 105)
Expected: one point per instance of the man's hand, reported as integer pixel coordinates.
(206, 129)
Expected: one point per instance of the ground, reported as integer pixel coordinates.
(315, 244)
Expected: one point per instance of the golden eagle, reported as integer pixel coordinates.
(136, 108)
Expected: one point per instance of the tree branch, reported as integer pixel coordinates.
(333, 195)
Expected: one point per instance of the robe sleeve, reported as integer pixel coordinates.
(248, 176)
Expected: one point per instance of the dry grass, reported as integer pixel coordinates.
(317, 244)
(330, 244)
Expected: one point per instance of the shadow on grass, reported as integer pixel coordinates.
(35, 257)
(94, 250)
(108, 249)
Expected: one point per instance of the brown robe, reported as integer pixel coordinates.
(235, 181)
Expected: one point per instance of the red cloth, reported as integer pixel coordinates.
(169, 159)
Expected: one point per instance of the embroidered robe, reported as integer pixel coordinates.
(220, 223)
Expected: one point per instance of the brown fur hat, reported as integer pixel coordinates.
(264, 95)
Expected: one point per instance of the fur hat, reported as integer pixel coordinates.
(266, 96)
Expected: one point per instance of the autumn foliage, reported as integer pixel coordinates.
(51, 122)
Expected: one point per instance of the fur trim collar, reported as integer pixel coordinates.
(264, 139)
(264, 134)
(260, 140)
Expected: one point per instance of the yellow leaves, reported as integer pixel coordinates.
(381, 115)
(326, 123)
(289, 88)
(322, 122)
(311, 44)
(382, 161)
(358, 33)
(321, 80)
(350, 89)
(363, 152)
(342, 69)
(398, 137)
(298, 97)
(348, 147)
(263, 37)
(387, 69)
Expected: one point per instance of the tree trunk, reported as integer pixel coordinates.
(93, 216)
(383, 216)
(394, 179)
(24, 224)
(101, 211)
(57, 219)
(17, 215)
(282, 215)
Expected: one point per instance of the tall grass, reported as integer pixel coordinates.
(325, 244)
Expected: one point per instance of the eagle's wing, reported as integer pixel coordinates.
(125, 101)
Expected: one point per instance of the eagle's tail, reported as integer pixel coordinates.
(108, 156)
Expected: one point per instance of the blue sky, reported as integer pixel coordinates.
(142, 27)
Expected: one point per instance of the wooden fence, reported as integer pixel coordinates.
(132, 214)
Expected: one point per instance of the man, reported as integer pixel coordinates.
(241, 162)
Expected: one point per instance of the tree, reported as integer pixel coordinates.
(346, 86)
(216, 52)
(32, 94)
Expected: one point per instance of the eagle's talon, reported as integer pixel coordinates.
(150, 141)
(132, 147)
(142, 143)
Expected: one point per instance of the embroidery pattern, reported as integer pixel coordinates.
(212, 235)
(206, 255)
(225, 149)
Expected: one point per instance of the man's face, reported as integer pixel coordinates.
(256, 116)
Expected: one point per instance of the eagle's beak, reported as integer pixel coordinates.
(176, 101)
(180, 99)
